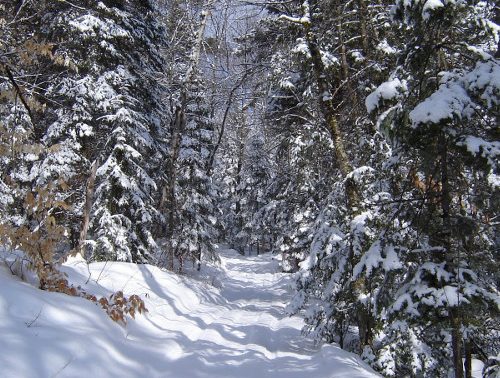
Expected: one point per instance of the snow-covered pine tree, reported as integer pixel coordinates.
(118, 108)
(298, 150)
(188, 195)
(443, 126)
(241, 133)
(195, 234)
(228, 175)
(298, 183)
(340, 69)
(100, 103)
(255, 177)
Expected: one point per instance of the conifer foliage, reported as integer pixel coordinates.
(385, 260)
(99, 103)
(71, 101)
(356, 139)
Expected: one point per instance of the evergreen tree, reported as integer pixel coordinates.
(333, 84)
(443, 126)
(99, 101)
(196, 232)
(187, 203)
(255, 176)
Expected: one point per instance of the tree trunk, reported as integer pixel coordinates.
(325, 99)
(365, 328)
(363, 20)
(497, 21)
(452, 262)
(468, 358)
(168, 201)
(229, 103)
(456, 343)
(327, 108)
(89, 196)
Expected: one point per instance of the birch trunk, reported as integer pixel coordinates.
(168, 202)
(89, 196)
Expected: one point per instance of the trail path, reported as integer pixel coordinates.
(229, 322)
(250, 336)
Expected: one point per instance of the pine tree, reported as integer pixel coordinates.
(188, 194)
(443, 127)
(334, 83)
(255, 176)
(99, 102)
(196, 232)
(116, 120)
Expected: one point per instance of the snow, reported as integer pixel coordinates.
(452, 99)
(304, 20)
(88, 25)
(479, 146)
(375, 256)
(386, 91)
(485, 78)
(328, 59)
(446, 103)
(285, 83)
(477, 368)
(386, 48)
(359, 173)
(228, 321)
(302, 48)
(430, 6)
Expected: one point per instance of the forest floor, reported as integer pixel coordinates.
(227, 321)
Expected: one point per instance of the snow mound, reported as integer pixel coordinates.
(226, 322)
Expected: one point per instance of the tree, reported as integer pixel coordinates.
(442, 125)
(97, 101)
(255, 174)
(339, 237)
(196, 233)
(187, 195)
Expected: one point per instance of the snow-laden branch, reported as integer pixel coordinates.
(305, 20)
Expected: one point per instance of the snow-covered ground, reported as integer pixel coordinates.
(227, 322)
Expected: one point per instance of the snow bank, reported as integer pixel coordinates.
(227, 322)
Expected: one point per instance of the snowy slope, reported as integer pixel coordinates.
(226, 323)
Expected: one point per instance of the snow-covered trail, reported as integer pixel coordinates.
(257, 295)
(228, 322)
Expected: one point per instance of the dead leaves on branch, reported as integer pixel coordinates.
(117, 306)
(41, 237)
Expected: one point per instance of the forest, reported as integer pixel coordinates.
(357, 141)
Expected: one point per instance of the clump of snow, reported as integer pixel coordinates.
(447, 102)
(89, 25)
(285, 83)
(386, 48)
(377, 255)
(485, 78)
(453, 98)
(326, 96)
(494, 180)
(386, 91)
(301, 48)
(358, 57)
(429, 7)
(328, 59)
(479, 146)
(488, 150)
(358, 174)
